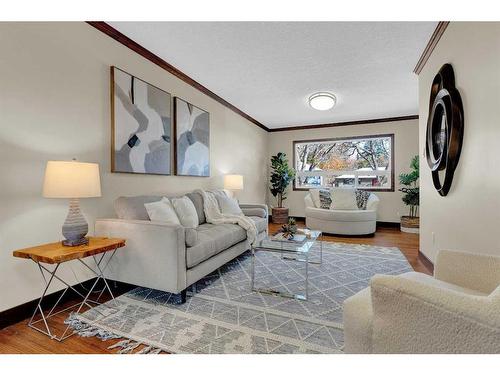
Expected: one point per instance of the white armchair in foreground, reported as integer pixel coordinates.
(456, 311)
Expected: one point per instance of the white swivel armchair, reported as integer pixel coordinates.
(456, 311)
(343, 222)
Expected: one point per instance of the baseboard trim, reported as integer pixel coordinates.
(426, 261)
(301, 219)
(370, 235)
(19, 313)
(380, 224)
(387, 224)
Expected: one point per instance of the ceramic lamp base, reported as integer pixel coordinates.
(75, 227)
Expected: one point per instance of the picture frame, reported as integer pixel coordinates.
(141, 126)
(192, 139)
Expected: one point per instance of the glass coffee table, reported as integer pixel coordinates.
(297, 249)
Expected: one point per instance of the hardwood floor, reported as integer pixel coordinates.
(19, 338)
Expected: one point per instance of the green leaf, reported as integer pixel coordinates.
(411, 190)
(281, 175)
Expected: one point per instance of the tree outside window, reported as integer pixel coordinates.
(359, 162)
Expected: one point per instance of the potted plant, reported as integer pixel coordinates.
(289, 230)
(411, 223)
(281, 176)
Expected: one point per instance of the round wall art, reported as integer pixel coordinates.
(445, 129)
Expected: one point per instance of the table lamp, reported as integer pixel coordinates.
(233, 182)
(72, 180)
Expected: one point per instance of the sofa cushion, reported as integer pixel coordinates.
(191, 237)
(343, 199)
(260, 223)
(315, 198)
(186, 212)
(325, 200)
(228, 205)
(341, 215)
(308, 201)
(362, 197)
(162, 211)
(132, 208)
(213, 239)
(197, 200)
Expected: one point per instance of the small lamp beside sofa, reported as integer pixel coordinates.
(233, 183)
(72, 180)
(344, 211)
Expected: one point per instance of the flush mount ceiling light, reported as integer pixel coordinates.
(322, 101)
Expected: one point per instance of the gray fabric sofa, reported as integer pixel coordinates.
(170, 257)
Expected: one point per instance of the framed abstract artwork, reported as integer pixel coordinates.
(141, 126)
(192, 139)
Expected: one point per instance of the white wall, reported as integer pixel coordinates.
(54, 105)
(405, 147)
(468, 218)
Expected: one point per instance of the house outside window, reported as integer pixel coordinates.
(365, 162)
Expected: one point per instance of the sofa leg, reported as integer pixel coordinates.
(184, 296)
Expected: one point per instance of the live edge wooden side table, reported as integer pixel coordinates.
(56, 253)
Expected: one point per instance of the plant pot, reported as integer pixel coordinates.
(279, 215)
(410, 224)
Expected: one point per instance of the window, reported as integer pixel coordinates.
(362, 162)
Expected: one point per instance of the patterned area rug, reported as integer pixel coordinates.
(224, 316)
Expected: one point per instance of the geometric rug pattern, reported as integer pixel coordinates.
(223, 315)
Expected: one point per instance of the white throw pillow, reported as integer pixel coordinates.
(228, 205)
(315, 197)
(162, 211)
(343, 199)
(186, 212)
(191, 237)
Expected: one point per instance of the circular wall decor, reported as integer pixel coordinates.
(445, 129)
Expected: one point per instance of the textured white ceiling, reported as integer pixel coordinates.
(268, 69)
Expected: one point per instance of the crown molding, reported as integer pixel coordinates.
(345, 123)
(137, 48)
(148, 55)
(433, 41)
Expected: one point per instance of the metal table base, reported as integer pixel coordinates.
(320, 241)
(87, 301)
(284, 255)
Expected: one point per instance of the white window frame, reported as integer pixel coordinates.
(355, 173)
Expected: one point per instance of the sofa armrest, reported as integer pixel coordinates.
(413, 317)
(473, 271)
(154, 256)
(372, 202)
(250, 209)
(358, 323)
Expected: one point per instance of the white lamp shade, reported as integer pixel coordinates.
(233, 182)
(71, 179)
